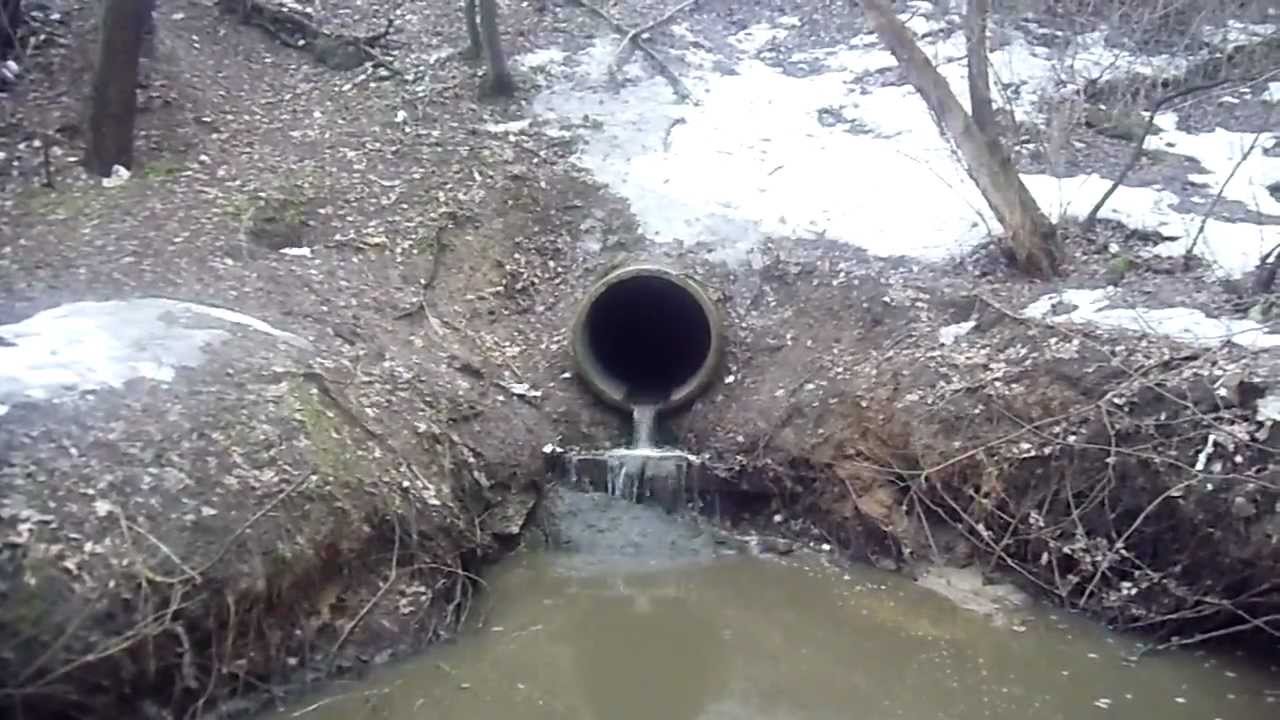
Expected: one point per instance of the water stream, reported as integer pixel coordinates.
(646, 616)
(643, 418)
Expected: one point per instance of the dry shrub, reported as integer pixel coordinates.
(1084, 482)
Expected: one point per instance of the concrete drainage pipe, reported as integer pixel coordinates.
(647, 335)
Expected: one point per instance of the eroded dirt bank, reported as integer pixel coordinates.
(1130, 477)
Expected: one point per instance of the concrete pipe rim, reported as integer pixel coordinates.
(610, 389)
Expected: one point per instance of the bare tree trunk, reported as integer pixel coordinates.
(474, 44)
(10, 20)
(115, 80)
(1030, 234)
(149, 31)
(975, 32)
(498, 80)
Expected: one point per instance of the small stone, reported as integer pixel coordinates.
(1243, 507)
(1117, 269)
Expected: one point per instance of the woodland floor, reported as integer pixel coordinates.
(408, 203)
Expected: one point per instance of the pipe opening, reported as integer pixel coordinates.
(648, 339)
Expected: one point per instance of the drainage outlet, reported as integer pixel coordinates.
(647, 336)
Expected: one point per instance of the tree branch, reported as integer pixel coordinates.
(677, 85)
(1139, 147)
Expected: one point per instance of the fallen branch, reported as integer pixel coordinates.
(629, 42)
(677, 86)
(295, 27)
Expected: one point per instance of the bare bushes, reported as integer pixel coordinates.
(1134, 483)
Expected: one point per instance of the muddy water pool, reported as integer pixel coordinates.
(642, 616)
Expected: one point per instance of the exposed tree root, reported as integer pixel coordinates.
(1144, 502)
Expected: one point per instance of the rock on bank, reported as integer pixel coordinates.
(195, 503)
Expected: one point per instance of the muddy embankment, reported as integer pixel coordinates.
(241, 513)
(270, 516)
(1117, 473)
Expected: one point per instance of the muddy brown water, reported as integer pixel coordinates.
(646, 617)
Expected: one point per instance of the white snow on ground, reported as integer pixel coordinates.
(948, 334)
(1233, 248)
(754, 158)
(80, 346)
(1190, 326)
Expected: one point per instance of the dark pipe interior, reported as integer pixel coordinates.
(650, 334)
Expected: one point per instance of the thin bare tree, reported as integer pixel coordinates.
(1030, 238)
(113, 104)
(10, 22)
(484, 37)
(976, 17)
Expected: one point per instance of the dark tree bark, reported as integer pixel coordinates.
(113, 105)
(975, 31)
(1031, 239)
(149, 31)
(10, 21)
(498, 80)
(474, 43)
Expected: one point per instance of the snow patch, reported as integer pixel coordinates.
(766, 154)
(1181, 324)
(949, 334)
(1268, 409)
(755, 38)
(513, 126)
(541, 57)
(1233, 248)
(80, 346)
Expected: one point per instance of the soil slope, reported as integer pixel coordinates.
(1128, 476)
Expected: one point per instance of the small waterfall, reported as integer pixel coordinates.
(641, 473)
(627, 467)
(625, 470)
(643, 418)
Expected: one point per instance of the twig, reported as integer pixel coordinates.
(437, 250)
(63, 638)
(47, 141)
(1252, 622)
(1119, 544)
(125, 525)
(1139, 147)
(356, 417)
(114, 645)
(924, 523)
(1204, 218)
(226, 544)
(628, 41)
(319, 704)
(677, 86)
(391, 578)
(449, 569)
